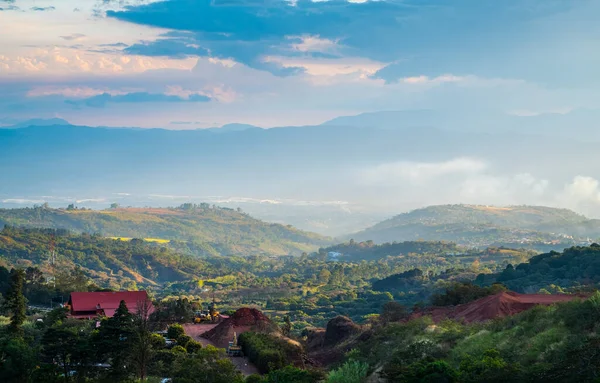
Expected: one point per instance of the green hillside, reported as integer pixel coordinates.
(538, 227)
(211, 229)
(107, 261)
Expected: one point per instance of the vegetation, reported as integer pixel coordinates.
(575, 269)
(460, 293)
(206, 229)
(534, 227)
(350, 372)
(122, 348)
(310, 288)
(544, 343)
(267, 352)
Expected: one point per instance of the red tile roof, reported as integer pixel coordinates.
(107, 301)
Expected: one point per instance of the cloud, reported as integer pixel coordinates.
(71, 61)
(414, 37)
(70, 92)
(10, 8)
(43, 9)
(100, 101)
(73, 37)
(581, 194)
(459, 180)
(419, 172)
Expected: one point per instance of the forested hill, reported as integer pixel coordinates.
(575, 268)
(214, 230)
(471, 225)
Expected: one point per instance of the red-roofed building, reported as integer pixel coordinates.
(89, 305)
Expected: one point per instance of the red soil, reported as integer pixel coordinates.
(244, 319)
(493, 306)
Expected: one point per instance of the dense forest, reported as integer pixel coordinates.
(535, 227)
(212, 229)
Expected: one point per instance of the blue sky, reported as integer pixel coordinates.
(273, 63)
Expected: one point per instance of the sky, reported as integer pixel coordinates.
(188, 64)
(192, 64)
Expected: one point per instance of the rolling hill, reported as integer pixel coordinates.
(537, 227)
(210, 230)
(107, 262)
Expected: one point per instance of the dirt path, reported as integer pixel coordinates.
(242, 363)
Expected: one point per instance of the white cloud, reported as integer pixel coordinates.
(72, 92)
(460, 180)
(310, 43)
(582, 194)
(328, 67)
(68, 61)
(432, 80)
(419, 172)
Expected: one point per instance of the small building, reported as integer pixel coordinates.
(89, 305)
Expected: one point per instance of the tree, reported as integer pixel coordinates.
(115, 341)
(175, 331)
(324, 276)
(17, 359)
(142, 338)
(214, 367)
(114, 205)
(15, 301)
(393, 312)
(59, 346)
(350, 372)
(286, 329)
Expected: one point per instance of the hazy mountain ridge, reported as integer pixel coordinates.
(217, 230)
(477, 225)
(369, 161)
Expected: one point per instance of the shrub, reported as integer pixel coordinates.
(350, 372)
(183, 340)
(158, 341)
(291, 374)
(266, 352)
(254, 378)
(193, 346)
(175, 331)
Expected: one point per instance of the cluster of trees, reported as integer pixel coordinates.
(268, 352)
(464, 292)
(573, 269)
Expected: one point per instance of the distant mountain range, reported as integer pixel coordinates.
(354, 170)
(481, 226)
(205, 229)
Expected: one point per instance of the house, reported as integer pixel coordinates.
(89, 305)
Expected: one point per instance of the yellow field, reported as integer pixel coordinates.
(156, 240)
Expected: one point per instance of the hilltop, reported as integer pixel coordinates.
(211, 230)
(537, 227)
